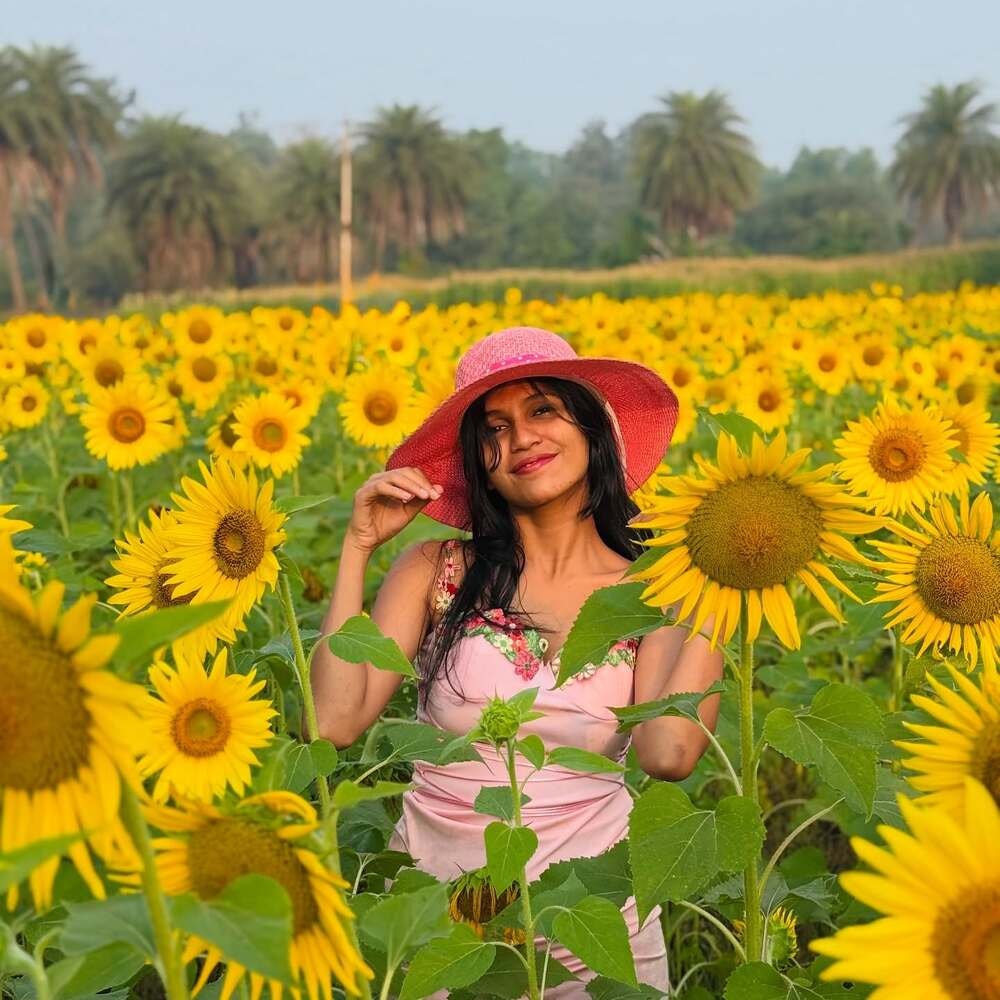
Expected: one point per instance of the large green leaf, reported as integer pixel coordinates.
(17, 865)
(447, 963)
(605, 875)
(250, 922)
(739, 426)
(497, 800)
(759, 981)
(839, 735)
(506, 977)
(141, 635)
(397, 924)
(419, 741)
(671, 846)
(684, 703)
(609, 614)
(570, 892)
(289, 505)
(508, 848)
(739, 832)
(94, 972)
(595, 931)
(575, 759)
(95, 924)
(602, 988)
(360, 640)
(349, 793)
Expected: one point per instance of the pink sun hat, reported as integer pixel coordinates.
(643, 409)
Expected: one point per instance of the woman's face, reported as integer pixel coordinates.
(542, 453)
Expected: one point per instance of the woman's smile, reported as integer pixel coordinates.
(532, 464)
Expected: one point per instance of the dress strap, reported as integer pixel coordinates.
(445, 587)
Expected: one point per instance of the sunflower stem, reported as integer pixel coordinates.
(60, 488)
(129, 494)
(748, 764)
(529, 924)
(302, 669)
(167, 946)
(896, 703)
(19, 962)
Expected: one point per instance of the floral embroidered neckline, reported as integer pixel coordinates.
(523, 645)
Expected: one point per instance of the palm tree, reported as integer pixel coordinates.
(23, 126)
(176, 188)
(307, 196)
(413, 178)
(948, 159)
(84, 112)
(696, 167)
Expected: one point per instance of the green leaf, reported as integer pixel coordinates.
(602, 988)
(609, 614)
(569, 893)
(759, 981)
(684, 704)
(575, 759)
(350, 793)
(300, 768)
(398, 923)
(605, 875)
(507, 850)
(447, 963)
(497, 801)
(523, 700)
(506, 977)
(740, 427)
(532, 749)
(289, 505)
(595, 931)
(250, 922)
(739, 832)
(419, 741)
(17, 865)
(93, 972)
(839, 735)
(141, 635)
(359, 640)
(324, 757)
(672, 846)
(92, 925)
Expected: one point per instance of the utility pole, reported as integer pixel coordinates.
(346, 288)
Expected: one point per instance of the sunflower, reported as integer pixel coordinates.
(750, 527)
(141, 585)
(11, 557)
(199, 330)
(305, 395)
(107, 363)
(330, 357)
(11, 366)
(767, 400)
(222, 544)
(270, 834)
(898, 458)
(946, 582)
(36, 339)
(203, 729)
(129, 423)
(826, 362)
(376, 410)
(938, 886)
(473, 900)
(203, 378)
(400, 344)
(26, 404)
(966, 743)
(268, 428)
(67, 732)
(222, 438)
(978, 441)
(875, 357)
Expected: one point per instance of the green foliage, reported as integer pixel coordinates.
(594, 930)
(360, 640)
(447, 963)
(508, 848)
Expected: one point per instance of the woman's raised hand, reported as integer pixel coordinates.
(386, 503)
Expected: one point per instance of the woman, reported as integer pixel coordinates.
(536, 453)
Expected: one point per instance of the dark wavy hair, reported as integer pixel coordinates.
(494, 556)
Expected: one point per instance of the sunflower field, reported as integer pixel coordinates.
(175, 490)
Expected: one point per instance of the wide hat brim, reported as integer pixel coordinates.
(644, 405)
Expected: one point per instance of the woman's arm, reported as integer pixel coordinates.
(669, 747)
(351, 696)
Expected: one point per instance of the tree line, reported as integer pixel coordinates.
(97, 200)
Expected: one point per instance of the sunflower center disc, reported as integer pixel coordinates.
(381, 408)
(965, 393)
(873, 355)
(36, 337)
(897, 454)
(226, 431)
(163, 592)
(201, 728)
(959, 580)
(286, 323)
(228, 848)
(204, 369)
(28, 403)
(200, 331)
(44, 722)
(270, 435)
(238, 544)
(127, 425)
(966, 944)
(827, 363)
(753, 533)
(266, 366)
(768, 400)
(985, 764)
(108, 372)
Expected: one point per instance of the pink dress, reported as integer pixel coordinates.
(573, 814)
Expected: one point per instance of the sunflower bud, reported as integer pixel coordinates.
(499, 721)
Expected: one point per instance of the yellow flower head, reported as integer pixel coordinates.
(128, 423)
(377, 410)
(268, 429)
(750, 527)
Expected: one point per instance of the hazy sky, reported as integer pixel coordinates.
(802, 72)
